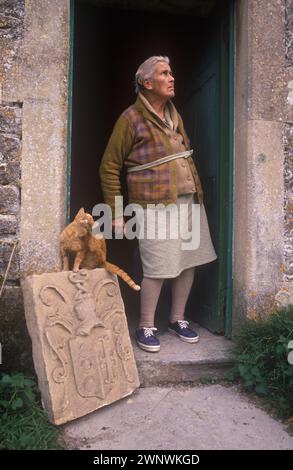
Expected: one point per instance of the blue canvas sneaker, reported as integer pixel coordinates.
(180, 328)
(147, 340)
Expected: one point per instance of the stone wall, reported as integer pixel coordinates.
(289, 31)
(288, 200)
(13, 336)
(34, 48)
(11, 36)
(10, 145)
(262, 262)
(288, 152)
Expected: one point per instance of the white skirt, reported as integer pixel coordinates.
(167, 249)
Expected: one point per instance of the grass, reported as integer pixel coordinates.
(23, 424)
(261, 360)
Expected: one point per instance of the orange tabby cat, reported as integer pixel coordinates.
(89, 251)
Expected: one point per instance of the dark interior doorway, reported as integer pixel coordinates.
(109, 45)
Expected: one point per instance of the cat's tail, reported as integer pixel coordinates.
(112, 268)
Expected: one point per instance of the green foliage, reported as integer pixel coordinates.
(208, 380)
(261, 359)
(23, 424)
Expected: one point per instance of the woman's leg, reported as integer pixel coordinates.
(149, 296)
(181, 287)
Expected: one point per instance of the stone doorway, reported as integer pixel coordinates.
(101, 74)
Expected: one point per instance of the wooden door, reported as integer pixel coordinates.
(205, 116)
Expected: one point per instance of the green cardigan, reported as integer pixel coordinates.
(137, 138)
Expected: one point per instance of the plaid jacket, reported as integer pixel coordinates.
(138, 138)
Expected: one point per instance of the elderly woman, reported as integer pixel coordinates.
(150, 140)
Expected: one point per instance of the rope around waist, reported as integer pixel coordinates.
(168, 158)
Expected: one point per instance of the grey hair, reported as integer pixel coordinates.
(146, 69)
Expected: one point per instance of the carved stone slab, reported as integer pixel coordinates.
(81, 347)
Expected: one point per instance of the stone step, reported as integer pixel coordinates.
(178, 362)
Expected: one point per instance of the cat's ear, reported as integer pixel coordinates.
(80, 212)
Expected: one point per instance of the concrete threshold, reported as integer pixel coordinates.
(178, 362)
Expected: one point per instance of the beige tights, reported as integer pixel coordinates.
(150, 293)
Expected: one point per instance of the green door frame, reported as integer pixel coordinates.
(227, 146)
(227, 49)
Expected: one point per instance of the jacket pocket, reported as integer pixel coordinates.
(151, 185)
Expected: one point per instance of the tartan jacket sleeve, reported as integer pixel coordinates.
(117, 150)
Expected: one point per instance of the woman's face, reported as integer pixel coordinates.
(162, 82)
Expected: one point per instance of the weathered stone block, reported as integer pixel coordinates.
(10, 119)
(8, 224)
(81, 346)
(288, 200)
(12, 8)
(9, 171)
(6, 247)
(11, 19)
(10, 147)
(9, 200)
(270, 92)
(288, 30)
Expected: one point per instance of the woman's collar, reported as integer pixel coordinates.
(171, 109)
